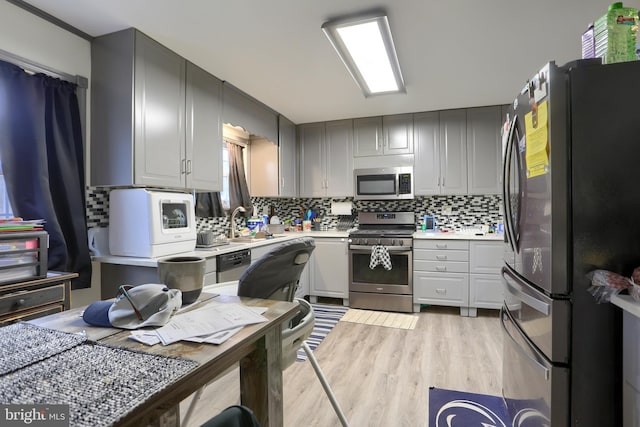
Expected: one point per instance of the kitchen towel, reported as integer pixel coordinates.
(380, 256)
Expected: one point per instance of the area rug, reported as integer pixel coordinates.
(381, 318)
(451, 408)
(327, 316)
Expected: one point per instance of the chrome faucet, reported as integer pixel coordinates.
(232, 231)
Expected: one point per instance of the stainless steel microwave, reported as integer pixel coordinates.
(391, 183)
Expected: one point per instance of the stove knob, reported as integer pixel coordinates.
(379, 241)
(393, 242)
(363, 241)
(400, 243)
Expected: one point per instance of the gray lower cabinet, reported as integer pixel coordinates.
(485, 282)
(484, 150)
(329, 273)
(156, 117)
(458, 273)
(441, 274)
(326, 168)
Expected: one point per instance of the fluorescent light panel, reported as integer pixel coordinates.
(366, 48)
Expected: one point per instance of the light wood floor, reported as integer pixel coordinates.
(381, 376)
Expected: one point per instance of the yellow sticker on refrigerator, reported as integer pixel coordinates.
(536, 126)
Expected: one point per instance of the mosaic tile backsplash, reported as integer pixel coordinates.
(466, 211)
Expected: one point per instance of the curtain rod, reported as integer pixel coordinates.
(29, 65)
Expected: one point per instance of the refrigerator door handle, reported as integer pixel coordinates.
(545, 371)
(506, 188)
(517, 290)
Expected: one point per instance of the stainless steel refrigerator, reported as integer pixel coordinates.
(572, 205)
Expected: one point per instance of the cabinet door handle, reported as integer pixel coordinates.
(188, 167)
(441, 246)
(443, 182)
(183, 166)
(441, 268)
(441, 257)
(441, 291)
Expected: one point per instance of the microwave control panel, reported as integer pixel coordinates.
(404, 183)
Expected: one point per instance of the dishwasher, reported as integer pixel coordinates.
(230, 266)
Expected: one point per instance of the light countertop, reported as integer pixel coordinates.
(219, 250)
(627, 303)
(452, 235)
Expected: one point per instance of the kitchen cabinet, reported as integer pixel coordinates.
(31, 299)
(441, 274)
(326, 168)
(288, 156)
(272, 167)
(330, 269)
(263, 177)
(156, 117)
(440, 152)
(248, 113)
(484, 150)
(485, 282)
(387, 135)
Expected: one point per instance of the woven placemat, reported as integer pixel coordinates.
(22, 344)
(100, 383)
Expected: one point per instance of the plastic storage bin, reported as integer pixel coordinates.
(23, 255)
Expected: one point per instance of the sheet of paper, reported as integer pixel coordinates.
(145, 337)
(207, 321)
(537, 133)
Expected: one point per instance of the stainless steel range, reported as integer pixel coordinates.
(380, 262)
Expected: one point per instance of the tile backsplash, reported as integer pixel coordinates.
(465, 211)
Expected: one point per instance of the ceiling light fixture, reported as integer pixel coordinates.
(365, 45)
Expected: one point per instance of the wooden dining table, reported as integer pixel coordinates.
(257, 348)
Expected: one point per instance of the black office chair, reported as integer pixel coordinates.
(275, 276)
(277, 273)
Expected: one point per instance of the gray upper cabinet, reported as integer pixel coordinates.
(204, 130)
(326, 168)
(288, 158)
(484, 153)
(441, 152)
(453, 151)
(254, 117)
(139, 132)
(426, 171)
(398, 134)
(387, 135)
(312, 159)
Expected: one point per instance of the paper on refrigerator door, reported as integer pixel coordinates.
(341, 208)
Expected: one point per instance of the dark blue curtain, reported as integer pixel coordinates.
(42, 159)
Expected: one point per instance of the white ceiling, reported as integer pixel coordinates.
(453, 54)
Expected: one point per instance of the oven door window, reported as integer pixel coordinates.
(376, 185)
(362, 274)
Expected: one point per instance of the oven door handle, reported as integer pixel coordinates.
(389, 248)
(545, 371)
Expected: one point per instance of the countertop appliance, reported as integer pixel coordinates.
(383, 287)
(231, 265)
(570, 161)
(390, 183)
(149, 224)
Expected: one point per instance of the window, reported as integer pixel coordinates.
(224, 194)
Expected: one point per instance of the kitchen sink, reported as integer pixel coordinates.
(250, 239)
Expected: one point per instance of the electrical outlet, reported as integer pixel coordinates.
(446, 210)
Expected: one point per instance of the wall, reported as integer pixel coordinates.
(36, 40)
(466, 211)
